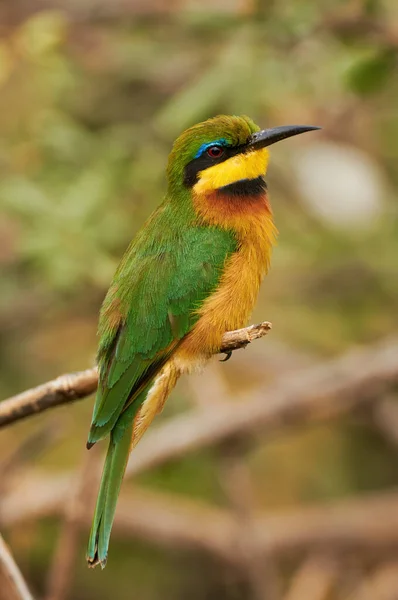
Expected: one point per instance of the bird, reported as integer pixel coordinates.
(192, 273)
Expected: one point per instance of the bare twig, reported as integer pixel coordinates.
(12, 584)
(64, 389)
(240, 338)
(74, 386)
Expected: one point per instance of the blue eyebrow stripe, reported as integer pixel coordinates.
(203, 148)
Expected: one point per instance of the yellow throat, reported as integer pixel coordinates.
(249, 165)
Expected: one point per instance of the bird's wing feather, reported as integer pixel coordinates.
(151, 305)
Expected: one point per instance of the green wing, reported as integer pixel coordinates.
(152, 303)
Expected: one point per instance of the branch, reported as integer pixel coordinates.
(64, 389)
(75, 386)
(12, 584)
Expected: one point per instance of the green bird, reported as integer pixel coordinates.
(192, 273)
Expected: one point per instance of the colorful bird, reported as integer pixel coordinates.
(192, 273)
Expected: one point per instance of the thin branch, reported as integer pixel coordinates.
(12, 584)
(75, 386)
(240, 338)
(64, 389)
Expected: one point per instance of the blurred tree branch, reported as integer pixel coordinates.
(12, 584)
(74, 386)
(323, 392)
(314, 579)
(173, 521)
(382, 583)
(317, 393)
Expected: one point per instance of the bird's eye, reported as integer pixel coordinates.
(215, 151)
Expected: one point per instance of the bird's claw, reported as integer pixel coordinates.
(227, 356)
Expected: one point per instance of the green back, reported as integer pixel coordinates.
(170, 268)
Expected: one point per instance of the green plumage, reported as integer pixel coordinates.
(160, 283)
(169, 269)
(165, 275)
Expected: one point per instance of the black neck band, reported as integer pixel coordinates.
(245, 187)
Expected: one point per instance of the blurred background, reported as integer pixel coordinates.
(92, 94)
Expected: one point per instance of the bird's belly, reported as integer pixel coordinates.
(228, 308)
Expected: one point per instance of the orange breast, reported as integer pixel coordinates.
(230, 306)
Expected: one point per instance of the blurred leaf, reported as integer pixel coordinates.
(372, 73)
(42, 33)
(22, 196)
(372, 8)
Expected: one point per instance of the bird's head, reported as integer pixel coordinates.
(225, 153)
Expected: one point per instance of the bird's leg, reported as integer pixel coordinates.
(227, 356)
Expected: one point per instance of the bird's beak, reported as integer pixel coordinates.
(266, 137)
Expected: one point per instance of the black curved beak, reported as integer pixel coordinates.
(266, 137)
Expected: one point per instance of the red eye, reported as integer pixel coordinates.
(215, 151)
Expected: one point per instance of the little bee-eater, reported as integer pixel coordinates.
(192, 273)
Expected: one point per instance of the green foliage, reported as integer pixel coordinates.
(373, 72)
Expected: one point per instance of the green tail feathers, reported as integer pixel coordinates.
(111, 481)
